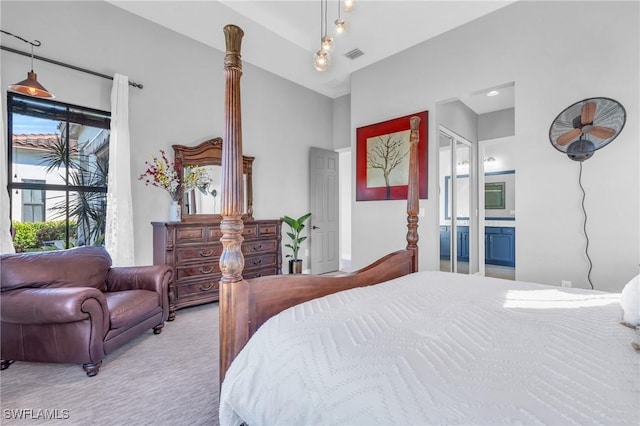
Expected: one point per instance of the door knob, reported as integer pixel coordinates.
(315, 227)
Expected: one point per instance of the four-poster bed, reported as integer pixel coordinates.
(418, 347)
(245, 305)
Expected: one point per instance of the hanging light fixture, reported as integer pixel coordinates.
(327, 43)
(348, 5)
(321, 60)
(321, 57)
(341, 24)
(30, 86)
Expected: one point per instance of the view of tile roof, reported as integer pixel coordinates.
(35, 141)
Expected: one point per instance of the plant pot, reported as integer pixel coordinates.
(295, 266)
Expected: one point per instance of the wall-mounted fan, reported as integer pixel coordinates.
(587, 126)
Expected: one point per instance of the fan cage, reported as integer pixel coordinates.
(609, 113)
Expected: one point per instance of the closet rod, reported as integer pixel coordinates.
(62, 64)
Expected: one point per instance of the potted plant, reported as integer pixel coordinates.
(296, 226)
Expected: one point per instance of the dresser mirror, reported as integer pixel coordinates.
(199, 168)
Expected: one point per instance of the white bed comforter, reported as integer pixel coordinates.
(440, 348)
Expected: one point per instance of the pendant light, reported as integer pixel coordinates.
(348, 5)
(30, 86)
(321, 58)
(341, 24)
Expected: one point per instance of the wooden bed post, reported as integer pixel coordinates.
(413, 198)
(231, 260)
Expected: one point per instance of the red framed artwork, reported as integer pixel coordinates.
(382, 159)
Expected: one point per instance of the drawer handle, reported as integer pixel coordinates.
(257, 262)
(257, 248)
(209, 287)
(207, 270)
(206, 253)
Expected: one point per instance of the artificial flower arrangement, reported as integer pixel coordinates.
(161, 173)
(197, 177)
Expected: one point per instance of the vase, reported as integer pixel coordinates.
(174, 212)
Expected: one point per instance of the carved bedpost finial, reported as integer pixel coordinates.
(233, 41)
(413, 196)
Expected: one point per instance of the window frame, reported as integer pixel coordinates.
(54, 111)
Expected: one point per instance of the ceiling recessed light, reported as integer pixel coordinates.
(493, 93)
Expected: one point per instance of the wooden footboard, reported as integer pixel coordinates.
(247, 304)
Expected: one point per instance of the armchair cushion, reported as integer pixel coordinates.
(80, 267)
(127, 308)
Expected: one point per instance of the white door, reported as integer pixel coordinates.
(324, 201)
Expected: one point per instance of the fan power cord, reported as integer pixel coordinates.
(584, 227)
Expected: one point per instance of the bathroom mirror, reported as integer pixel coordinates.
(199, 168)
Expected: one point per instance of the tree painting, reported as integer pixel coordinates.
(387, 160)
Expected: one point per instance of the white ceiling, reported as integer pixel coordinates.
(281, 36)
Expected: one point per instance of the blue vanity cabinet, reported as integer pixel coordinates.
(462, 236)
(445, 242)
(499, 245)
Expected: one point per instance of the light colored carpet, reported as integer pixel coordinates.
(165, 379)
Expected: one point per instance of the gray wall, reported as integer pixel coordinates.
(530, 44)
(458, 118)
(277, 114)
(496, 124)
(342, 122)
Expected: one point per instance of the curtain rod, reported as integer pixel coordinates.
(62, 64)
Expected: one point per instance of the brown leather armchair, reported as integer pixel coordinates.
(71, 306)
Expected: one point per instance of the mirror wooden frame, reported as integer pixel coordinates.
(209, 153)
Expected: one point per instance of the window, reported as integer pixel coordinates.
(57, 172)
(33, 203)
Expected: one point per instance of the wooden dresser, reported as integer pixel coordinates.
(193, 249)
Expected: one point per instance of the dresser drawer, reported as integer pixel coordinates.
(267, 229)
(204, 252)
(252, 262)
(260, 246)
(204, 269)
(198, 288)
(190, 234)
(260, 272)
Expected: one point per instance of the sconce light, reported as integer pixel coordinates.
(30, 86)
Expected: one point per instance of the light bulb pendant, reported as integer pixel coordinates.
(341, 26)
(321, 60)
(348, 5)
(327, 43)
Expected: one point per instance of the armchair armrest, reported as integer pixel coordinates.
(54, 306)
(153, 277)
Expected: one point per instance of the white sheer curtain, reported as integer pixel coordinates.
(6, 244)
(119, 228)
